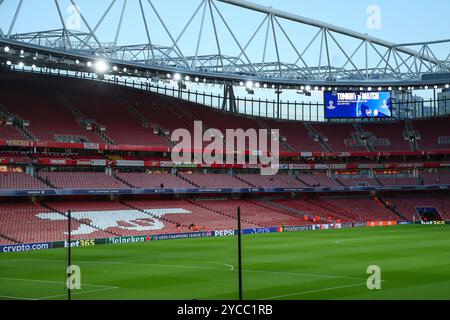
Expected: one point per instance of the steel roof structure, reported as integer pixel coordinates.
(283, 49)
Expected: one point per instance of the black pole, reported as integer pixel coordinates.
(239, 252)
(69, 252)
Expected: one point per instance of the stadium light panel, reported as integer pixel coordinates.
(390, 88)
(168, 76)
(8, 63)
(257, 85)
(265, 85)
(89, 64)
(361, 89)
(21, 65)
(196, 79)
(447, 86)
(125, 69)
(308, 88)
(435, 87)
(369, 88)
(177, 76)
(114, 68)
(77, 61)
(33, 66)
(187, 78)
(6, 49)
(241, 84)
(249, 84)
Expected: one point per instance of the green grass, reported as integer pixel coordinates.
(329, 264)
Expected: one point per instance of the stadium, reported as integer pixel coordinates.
(225, 150)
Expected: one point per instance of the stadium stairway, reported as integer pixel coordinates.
(335, 210)
(124, 181)
(368, 145)
(48, 207)
(264, 203)
(46, 182)
(244, 181)
(410, 130)
(314, 133)
(286, 145)
(224, 214)
(392, 209)
(79, 116)
(18, 123)
(146, 123)
(187, 180)
(293, 210)
(5, 237)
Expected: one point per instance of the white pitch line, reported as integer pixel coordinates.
(313, 291)
(304, 274)
(74, 293)
(57, 282)
(209, 268)
(15, 298)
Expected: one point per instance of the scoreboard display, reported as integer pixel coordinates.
(364, 104)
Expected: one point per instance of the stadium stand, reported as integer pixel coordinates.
(81, 180)
(391, 132)
(23, 95)
(276, 181)
(153, 180)
(20, 181)
(214, 180)
(435, 178)
(407, 204)
(398, 181)
(430, 131)
(358, 182)
(120, 125)
(318, 180)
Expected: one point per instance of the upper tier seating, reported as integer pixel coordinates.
(107, 110)
(82, 180)
(390, 131)
(9, 132)
(23, 95)
(430, 131)
(337, 134)
(30, 99)
(296, 134)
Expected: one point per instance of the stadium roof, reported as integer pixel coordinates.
(263, 57)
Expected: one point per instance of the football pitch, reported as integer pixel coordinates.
(329, 264)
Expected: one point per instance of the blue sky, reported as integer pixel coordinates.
(401, 20)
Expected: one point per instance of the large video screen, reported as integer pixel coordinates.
(357, 104)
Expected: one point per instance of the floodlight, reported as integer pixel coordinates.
(101, 66)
